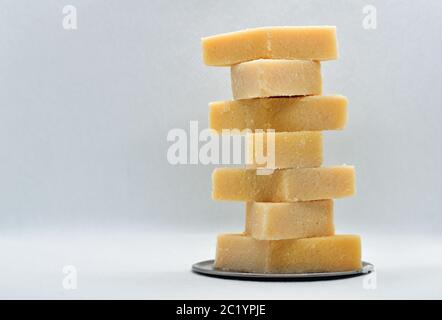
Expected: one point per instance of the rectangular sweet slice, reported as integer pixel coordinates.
(283, 185)
(289, 220)
(238, 252)
(305, 43)
(284, 149)
(273, 78)
(282, 114)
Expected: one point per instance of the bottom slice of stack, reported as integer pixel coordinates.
(241, 252)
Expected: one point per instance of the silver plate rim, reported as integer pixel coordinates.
(206, 267)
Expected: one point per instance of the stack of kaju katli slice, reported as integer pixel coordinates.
(276, 83)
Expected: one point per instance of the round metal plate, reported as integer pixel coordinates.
(207, 268)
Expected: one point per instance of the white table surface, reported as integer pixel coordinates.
(152, 265)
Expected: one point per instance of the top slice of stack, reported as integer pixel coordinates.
(303, 43)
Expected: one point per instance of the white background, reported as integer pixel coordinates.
(84, 114)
